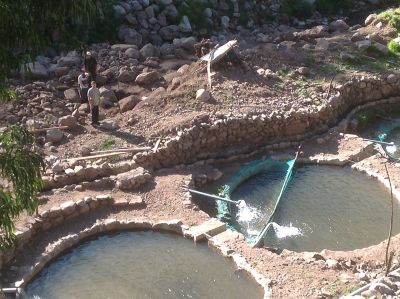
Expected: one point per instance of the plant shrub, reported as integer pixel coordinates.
(297, 8)
(394, 48)
(332, 6)
(392, 16)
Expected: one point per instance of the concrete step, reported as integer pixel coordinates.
(211, 227)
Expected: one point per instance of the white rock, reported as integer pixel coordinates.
(203, 95)
(68, 121)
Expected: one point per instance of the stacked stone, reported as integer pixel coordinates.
(57, 215)
(229, 135)
(132, 179)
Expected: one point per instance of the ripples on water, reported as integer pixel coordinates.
(142, 265)
(323, 207)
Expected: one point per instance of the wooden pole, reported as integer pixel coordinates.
(95, 157)
(122, 150)
(50, 128)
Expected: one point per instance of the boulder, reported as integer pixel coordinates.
(370, 19)
(147, 78)
(364, 44)
(132, 53)
(132, 179)
(381, 48)
(121, 47)
(167, 49)
(128, 103)
(54, 135)
(149, 50)
(170, 32)
(61, 71)
(132, 37)
(203, 95)
(186, 43)
(69, 61)
(109, 124)
(170, 10)
(225, 22)
(127, 76)
(119, 10)
(184, 25)
(332, 264)
(338, 26)
(312, 33)
(106, 93)
(72, 95)
(35, 71)
(68, 121)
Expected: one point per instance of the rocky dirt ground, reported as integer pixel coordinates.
(282, 68)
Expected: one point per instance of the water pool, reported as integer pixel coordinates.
(142, 265)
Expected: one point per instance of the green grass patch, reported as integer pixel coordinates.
(107, 143)
(7, 95)
(394, 48)
(392, 16)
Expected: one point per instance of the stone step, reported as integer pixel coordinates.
(226, 236)
(211, 227)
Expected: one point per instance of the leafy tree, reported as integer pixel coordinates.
(28, 28)
(20, 166)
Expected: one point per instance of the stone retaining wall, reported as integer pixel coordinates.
(227, 135)
(111, 225)
(57, 215)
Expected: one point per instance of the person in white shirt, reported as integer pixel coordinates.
(94, 100)
(83, 83)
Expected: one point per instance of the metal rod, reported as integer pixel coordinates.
(212, 196)
(378, 141)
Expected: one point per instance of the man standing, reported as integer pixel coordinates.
(94, 100)
(90, 66)
(83, 82)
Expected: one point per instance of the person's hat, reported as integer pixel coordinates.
(88, 53)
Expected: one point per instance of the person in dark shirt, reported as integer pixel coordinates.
(90, 66)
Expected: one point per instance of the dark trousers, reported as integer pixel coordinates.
(95, 115)
(83, 93)
(92, 76)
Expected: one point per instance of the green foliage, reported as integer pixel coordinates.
(27, 27)
(392, 16)
(20, 166)
(394, 48)
(107, 143)
(297, 8)
(8, 95)
(329, 7)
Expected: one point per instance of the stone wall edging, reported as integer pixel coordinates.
(114, 225)
(57, 215)
(281, 128)
(254, 131)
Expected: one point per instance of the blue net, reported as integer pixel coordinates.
(389, 131)
(227, 212)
